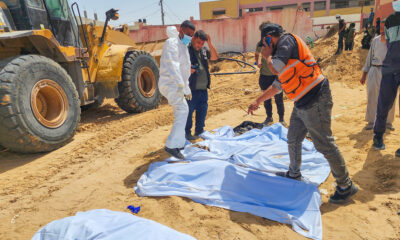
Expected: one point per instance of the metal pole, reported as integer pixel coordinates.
(162, 12)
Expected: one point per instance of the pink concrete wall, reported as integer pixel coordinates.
(237, 34)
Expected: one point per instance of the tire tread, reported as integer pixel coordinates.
(13, 133)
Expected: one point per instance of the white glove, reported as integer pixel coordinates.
(187, 90)
(180, 91)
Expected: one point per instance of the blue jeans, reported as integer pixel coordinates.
(199, 103)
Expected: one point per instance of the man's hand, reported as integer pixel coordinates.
(362, 81)
(189, 97)
(253, 107)
(192, 71)
(266, 50)
(259, 65)
(363, 78)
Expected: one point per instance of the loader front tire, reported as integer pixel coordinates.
(138, 90)
(39, 105)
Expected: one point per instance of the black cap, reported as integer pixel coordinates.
(271, 28)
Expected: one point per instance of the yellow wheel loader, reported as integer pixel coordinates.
(52, 64)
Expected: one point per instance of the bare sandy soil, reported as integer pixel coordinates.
(112, 149)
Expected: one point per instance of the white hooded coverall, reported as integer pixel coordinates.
(174, 84)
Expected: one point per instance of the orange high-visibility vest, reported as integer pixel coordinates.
(301, 75)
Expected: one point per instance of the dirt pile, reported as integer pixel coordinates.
(345, 67)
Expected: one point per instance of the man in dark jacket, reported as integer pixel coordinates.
(199, 81)
(341, 33)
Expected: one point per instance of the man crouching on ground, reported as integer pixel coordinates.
(301, 78)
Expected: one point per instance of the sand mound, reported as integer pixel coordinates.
(345, 67)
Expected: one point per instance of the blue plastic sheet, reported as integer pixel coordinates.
(102, 224)
(237, 173)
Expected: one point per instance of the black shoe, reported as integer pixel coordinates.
(378, 143)
(343, 195)
(175, 153)
(268, 121)
(287, 175)
(190, 137)
(390, 127)
(398, 153)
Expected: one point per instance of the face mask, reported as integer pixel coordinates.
(186, 39)
(396, 6)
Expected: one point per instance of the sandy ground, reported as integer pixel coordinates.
(112, 149)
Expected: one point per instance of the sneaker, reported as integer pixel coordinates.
(343, 195)
(378, 143)
(398, 153)
(268, 121)
(190, 137)
(175, 153)
(287, 175)
(369, 126)
(390, 127)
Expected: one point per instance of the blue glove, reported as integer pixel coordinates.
(134, 209)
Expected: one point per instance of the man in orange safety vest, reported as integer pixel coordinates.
(302, 80)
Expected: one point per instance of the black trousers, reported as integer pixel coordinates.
(387, 95)
(265, 82)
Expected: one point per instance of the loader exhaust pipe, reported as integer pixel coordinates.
(111, 14)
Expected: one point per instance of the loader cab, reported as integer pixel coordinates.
(54, 15)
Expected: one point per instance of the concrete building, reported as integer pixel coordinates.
(316, 8)
(383, 8)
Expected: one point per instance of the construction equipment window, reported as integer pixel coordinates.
(35, 4)
(58, 9)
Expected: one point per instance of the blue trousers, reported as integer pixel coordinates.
(387, 95)
(341, 42)
(199, 103)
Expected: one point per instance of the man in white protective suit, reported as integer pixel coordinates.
(174, 82)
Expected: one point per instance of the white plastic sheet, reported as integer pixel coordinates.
(237, 173)
(102, 224)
